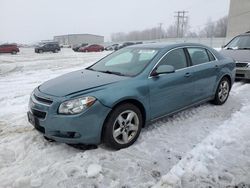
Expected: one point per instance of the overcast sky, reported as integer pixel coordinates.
(27, 21)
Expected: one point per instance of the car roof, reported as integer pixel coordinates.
(244, 34)
(163, 45)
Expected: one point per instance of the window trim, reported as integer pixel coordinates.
(189, 63)
(209, 55)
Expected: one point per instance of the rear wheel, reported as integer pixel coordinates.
(40, 51)
(123, 126)
(14, 52)
(55, 51)
(222, 91)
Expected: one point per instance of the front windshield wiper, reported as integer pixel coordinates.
(107, 71)
(113, 72)
(244, 48)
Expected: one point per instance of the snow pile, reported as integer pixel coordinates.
(6, 68)
(93, 170)
(221, 160)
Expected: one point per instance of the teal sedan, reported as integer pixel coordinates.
(112, 100)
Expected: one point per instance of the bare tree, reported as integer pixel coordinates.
(221, 27)
(215, 29)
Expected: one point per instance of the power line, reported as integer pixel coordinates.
(181, 22)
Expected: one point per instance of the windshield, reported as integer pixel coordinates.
(240, 42)
(127, 62)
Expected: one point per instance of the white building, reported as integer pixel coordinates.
(77, 39)
(239, 17)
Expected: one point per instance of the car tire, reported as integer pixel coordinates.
(123, 126)
(14, 52)
(222, 92)
(55, 51)
(40, 51)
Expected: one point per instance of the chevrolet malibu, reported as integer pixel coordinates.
(112, 100)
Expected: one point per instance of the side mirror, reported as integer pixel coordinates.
(163, 69)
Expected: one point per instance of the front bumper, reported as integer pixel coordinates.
(83, 128)
(243, 73)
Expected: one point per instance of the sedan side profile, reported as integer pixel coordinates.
(112, 100)
(9, 48)
(92, 48)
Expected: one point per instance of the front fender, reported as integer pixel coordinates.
(115, 94)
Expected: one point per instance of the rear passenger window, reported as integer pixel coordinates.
(176, 58)
(198, 55)
(211, 56)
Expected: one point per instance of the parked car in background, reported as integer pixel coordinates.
(123, 45)
(65, 46)
(92, 48)
(111, 100)
(9, 48)
(48, 47)
(77, 47)
(239, 49)
(111, 47)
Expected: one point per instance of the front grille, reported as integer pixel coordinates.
(38, 114)
(43, 100)
(241, 64)
(240, 75)
(39, 128)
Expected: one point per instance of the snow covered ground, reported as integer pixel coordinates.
(203, 146)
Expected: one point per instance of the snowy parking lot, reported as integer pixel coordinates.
(200, 147)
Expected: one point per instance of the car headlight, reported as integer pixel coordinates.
(76, 106)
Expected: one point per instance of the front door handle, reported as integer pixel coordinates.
(187, 75)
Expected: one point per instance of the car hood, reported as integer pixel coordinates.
(237, 55)
(78, 81)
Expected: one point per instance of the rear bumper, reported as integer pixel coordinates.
(83, 128)
(243, 73)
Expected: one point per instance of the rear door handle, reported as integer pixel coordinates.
(187, 75)
(216, 66)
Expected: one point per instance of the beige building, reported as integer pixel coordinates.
(77, 39)
(239, 17)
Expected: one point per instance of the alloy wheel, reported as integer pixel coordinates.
(223, 90)
(125, 127)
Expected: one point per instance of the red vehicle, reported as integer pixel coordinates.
(92, 48)
(9, 48)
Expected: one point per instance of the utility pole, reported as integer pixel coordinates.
(178, 23)
(181, 21)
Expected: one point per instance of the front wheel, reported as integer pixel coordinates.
(123, 126)
(222, 92)
(14, 52)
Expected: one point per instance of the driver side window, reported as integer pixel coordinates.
(176, 58)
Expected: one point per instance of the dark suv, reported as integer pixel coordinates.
(9, 48)
(48, 47)
(239, 49)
